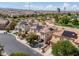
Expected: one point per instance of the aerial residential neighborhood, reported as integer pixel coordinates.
(50, 30)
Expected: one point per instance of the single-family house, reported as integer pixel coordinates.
(24, 26)
(45, 36)
(3, 24)
(69, 34)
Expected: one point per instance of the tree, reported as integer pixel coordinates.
(64, 20)
(69, 14)
(12, 25)
(19, 34)
(31, 38)
(7, 29)
(64, 48)
(14, 17)
(23, 35)
(19, 54)
(56, 18)
(75, 22)
(58, 9)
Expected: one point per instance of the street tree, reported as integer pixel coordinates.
(31, 38)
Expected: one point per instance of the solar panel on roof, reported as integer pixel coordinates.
(69, 34)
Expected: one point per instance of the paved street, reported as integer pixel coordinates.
(12, 45)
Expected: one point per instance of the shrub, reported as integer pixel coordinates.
(64, 48)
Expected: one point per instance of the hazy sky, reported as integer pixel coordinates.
(17, 5)
(69, 6)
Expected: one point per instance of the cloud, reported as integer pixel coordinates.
(49, 6)
(25, 5)
(74, 6)
(52, 7)
(33, 7)
(67, 6)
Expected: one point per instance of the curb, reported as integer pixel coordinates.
(25, 44)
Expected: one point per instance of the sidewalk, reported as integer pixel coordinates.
(47, 53)
(36, 49)
(4, 54)
(2, 31)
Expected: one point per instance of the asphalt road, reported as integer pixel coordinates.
(12, 45)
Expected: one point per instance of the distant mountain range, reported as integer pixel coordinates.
(15, 12)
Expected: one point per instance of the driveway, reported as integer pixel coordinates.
(12, 45)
